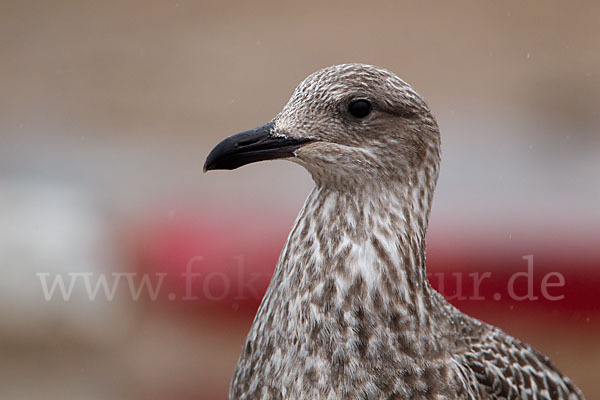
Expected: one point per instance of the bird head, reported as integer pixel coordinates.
(346, 124)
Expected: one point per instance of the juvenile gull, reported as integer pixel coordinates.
(349, 312)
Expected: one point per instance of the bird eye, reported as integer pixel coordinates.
(360, 108)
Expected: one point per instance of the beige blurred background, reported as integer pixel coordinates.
(108, 109)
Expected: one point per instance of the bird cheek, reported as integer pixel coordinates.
(309, 152)
(325, 156)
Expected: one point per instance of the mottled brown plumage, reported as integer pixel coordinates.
(349, 313)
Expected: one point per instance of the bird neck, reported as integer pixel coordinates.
(361, 245)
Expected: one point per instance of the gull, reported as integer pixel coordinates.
(349, 312)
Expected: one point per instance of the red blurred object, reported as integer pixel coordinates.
(225, 266)
(209, 263)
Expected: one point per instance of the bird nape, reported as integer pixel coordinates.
(349, 312)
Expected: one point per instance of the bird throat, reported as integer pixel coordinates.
(357, 246)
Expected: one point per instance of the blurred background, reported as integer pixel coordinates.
(108, 110)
